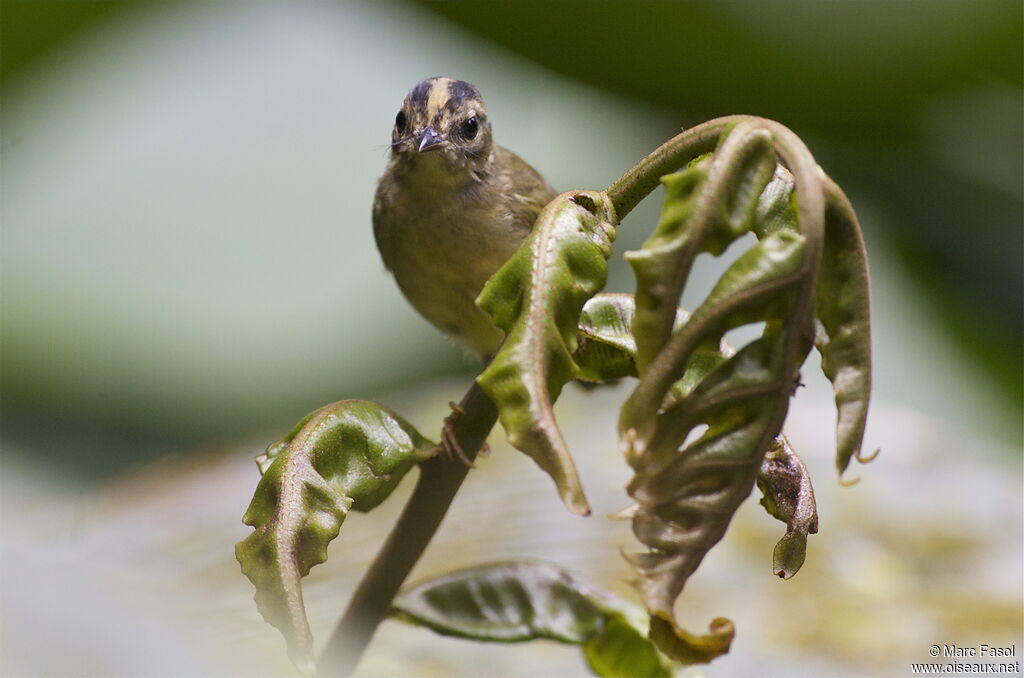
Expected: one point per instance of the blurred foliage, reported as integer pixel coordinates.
(917, 104)
(846, 70)
(517, 601)
(29, 29)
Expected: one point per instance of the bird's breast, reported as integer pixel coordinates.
(442, 243)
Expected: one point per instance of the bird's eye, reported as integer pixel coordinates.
(470, 127)
(401, 121)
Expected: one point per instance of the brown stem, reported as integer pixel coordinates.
(439, 480)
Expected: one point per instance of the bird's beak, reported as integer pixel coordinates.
(429, 140)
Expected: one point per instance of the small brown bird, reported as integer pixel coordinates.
(452, 207)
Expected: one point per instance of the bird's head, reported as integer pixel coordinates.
(442, 121)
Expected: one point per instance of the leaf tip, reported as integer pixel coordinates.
(869, 458)
(576, 502)
(848, 482)
(789, 554)
(688, 648)
(304, 662)
(722, 625)
(631, 446)
(842, 464)
(626, 513)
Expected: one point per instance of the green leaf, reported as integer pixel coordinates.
(843, 337)
(607, 351)
(707, 206)
(686, 499)
(688, 482)
(662, 265)
(788, 496)
(516, 601)
(349, 454)
(776, 207)
(842, 306)
(605, 348)
(688, 648)
(622, 650)
(537, 298)
(699, 490)
(742, 168)
(758, 286)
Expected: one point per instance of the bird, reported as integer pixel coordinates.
(451, 207)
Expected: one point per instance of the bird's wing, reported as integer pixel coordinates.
(381, 229)
(529, 191)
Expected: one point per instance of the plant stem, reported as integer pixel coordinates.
(628, 190)
(439, 480)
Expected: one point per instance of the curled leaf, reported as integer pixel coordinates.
(707, 206)
(687, 498)
(537, 298)
(758, 286)
(841, 305)
(516, 601)
(606, 351)
(688, 648)
(788, 496)
(843, 337)
(605, 348)
(698, 425)
(349, 454)
(663, 263)
(776, 208)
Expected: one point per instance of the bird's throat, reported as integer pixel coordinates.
(436, 173)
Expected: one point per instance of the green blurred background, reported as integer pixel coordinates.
(187, 260)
